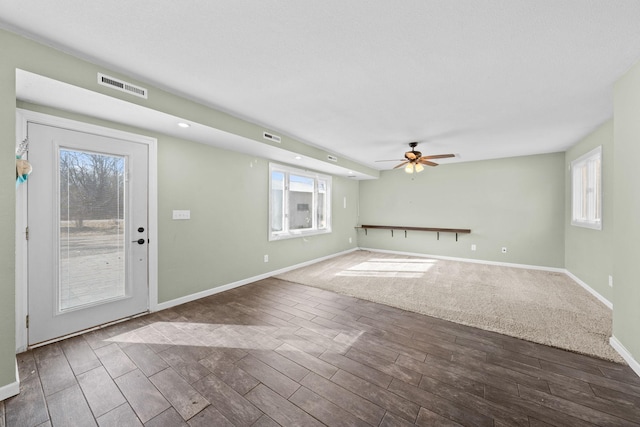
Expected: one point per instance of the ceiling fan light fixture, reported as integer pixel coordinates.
(414, 161)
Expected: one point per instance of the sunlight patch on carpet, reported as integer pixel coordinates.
(397, 268)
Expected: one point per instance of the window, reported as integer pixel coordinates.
(586, 189)
(299, 202)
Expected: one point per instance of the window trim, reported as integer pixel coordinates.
(287, 233)
(580, 162)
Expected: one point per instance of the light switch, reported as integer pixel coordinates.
(183, 214)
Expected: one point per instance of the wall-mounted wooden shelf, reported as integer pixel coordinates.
(438, 230)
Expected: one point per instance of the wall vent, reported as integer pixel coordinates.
(121, 85)
(271, 137)
(332, 158)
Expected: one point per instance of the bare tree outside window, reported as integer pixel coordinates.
(91, 187)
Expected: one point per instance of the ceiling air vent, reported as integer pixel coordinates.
(121, 85)
(271, 137)
(332, 158)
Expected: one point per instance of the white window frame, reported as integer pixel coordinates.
(286, 232)
(586, 190)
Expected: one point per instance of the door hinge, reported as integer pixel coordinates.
(27, 321)
(26, 233)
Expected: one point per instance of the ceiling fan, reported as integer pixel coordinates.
(415, 160)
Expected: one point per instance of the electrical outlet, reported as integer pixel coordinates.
(266, 258)
(350, 240)
(181, 214)
(504, 250)
(611, 281)
(473, 247)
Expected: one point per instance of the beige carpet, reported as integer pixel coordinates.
(540, 306)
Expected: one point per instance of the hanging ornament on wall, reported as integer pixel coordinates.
(23, 167)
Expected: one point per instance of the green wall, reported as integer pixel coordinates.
(227, 192)
(226, 239)
(517, 203)
(7, 215)
(589, 252)
(626, 205)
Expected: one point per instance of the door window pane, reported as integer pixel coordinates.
(92, 228)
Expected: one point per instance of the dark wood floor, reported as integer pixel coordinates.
(276, 353)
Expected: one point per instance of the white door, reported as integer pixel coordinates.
(88, 239)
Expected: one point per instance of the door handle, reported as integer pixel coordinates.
(139, 241)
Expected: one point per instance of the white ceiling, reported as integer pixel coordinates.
(362, 78)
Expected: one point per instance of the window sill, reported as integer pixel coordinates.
(295, 234)
(590, 225)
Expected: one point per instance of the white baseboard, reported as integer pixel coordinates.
(589, 289)
(222, 288)
(471, 260)
(600, 298)
(10, 389)
(633, 363)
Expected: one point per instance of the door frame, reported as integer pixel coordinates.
(23, 117)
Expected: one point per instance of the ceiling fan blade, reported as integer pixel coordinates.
(394, 160)
(400, 165)
(427, 162)
(439, 156)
